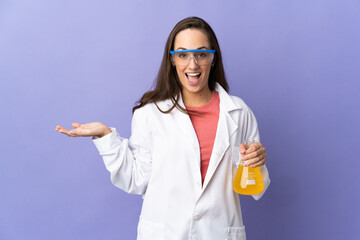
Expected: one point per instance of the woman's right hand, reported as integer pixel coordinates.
(97, 129)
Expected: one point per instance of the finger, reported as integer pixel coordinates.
(254, 154)
(64, 131)
(256, 161)
(258, 164)
(253, 147)
(252, 161)
(71, 133)
(261, 162)
(242, 148)
(257, 150)
(59, 128)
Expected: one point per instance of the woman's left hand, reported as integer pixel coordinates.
(254, 155)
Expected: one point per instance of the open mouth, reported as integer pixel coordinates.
(193, 78)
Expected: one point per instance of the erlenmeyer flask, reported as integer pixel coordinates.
(248, 180)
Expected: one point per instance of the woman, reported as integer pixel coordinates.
(185, 134)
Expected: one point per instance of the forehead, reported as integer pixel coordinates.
(191, 39)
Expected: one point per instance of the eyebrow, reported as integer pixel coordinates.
(182, 48)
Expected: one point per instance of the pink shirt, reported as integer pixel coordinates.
(205, 125)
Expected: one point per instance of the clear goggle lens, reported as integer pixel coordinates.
(200, 56)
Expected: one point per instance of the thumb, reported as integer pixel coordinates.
(242, 148)
(76, 125)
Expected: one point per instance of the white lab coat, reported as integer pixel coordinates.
(161, 161)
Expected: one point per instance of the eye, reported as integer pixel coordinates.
(182, 55)
(201, 55)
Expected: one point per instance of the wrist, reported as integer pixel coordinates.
(105, 132)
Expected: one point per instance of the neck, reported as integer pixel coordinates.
(196, 99)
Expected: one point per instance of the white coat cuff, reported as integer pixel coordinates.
(108, 142)
(266, 180)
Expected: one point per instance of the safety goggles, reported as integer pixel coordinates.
(201, 56)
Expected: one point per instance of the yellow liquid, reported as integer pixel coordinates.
(248, 181)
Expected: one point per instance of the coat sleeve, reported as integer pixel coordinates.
(128, 160)
(252, 132)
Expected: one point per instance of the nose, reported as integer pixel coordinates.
(193, 62)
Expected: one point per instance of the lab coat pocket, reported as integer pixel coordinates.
(150, 230)
(236, 233)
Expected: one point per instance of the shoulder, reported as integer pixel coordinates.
(144, 111)
(148, 117)
(230, 102)
(142, 118)
(237, 104)
(238, 101)
(233, 102)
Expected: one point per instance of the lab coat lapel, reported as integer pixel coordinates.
(185, 125)
(183, 122)
(225, 129)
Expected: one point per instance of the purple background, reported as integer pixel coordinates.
(296, 64)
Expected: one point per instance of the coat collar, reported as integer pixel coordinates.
(225, 100)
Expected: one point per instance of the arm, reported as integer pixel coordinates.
(255, 154)
(128, 161)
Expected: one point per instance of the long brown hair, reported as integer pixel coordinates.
(168, 85)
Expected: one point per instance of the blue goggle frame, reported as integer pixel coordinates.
(193, 50)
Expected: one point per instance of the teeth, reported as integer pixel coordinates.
(193, 74)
